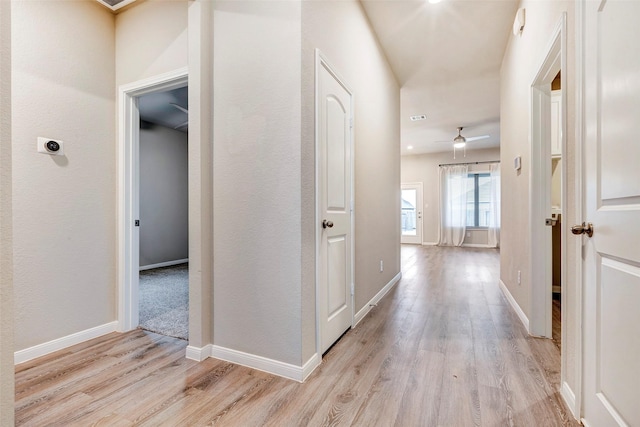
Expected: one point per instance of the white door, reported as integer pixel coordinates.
(411, 213)
(611, 317)
(335, 196)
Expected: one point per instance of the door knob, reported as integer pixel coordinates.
(585, 228)
(327, 224)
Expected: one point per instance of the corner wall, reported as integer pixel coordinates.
(523, 57)
(7, 390)
(424, 168)
(256, 178)
(64, 206)
(342, 32)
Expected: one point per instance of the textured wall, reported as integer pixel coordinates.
(64, 206)
(424, 168)
(6, 280)
(151, 39)
(164, 222)
(256, 168)
(522, 59)
(352, 48)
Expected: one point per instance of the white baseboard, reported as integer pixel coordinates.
(569, 398)
(198, 353)
(260, 363)
(429, 243)
(368, 306)
(40, 350)
(514, 305)
(476, 245)
(164, 264)
(310, 366)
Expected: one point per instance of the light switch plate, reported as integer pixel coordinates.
(43, 146)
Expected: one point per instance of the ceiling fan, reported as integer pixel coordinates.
(461, 142)
(184, 110)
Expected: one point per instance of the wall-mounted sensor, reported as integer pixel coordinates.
(50, 146)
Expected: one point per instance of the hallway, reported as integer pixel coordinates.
(442, 348)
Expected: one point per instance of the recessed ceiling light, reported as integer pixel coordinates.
(434, 1)
(410, 147)
(416, 118)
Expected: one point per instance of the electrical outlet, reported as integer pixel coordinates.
(381, 266)
(519, 278)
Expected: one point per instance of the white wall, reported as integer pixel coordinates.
(164, 211)
(256, 155)
(522, 59)
(64, 206)
(341, 30)
(424, 168)
(151, 39)
(7, 392)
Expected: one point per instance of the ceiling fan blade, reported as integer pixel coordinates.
(179, 107)
(476, 138)
(182, 125)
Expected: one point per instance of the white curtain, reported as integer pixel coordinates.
(494, 208)
(453, 204)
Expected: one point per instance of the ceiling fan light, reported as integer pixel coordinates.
(459, 144)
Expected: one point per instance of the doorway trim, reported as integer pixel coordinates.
(419, 211)
(321, 61)
(128, 198)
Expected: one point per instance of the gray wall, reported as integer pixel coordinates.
(164, 210)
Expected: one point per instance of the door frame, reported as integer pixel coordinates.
(419, 198)
(540, 180)
(128, 197)
(540, 174)
(321, 61)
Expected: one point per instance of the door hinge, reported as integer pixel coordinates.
(351, 123)
(353, 290)
(137, 223)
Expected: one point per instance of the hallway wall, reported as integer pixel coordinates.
(522, 59)
(256, 178)
(7, 390)
(341, 30)
(64, 206)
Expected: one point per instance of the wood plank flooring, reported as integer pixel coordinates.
(443, 348)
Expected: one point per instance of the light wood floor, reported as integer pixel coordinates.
(442, 349)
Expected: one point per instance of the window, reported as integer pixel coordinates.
(478, 200)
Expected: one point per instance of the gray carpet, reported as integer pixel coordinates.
(164, 300)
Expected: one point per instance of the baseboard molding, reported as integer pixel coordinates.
(310, 366)
(429, 243)
(477, 245)
(514, 305)
(368, 306)
(260, 363)
(198, 353)
(164, 264)
(40, 350)
(569, 398)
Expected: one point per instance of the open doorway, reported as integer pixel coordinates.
(556, 216)
(152, 156)
(164, 213)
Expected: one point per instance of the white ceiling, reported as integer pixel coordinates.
(156, 108)
(447, 59)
